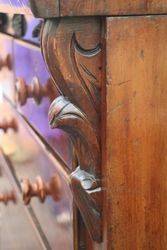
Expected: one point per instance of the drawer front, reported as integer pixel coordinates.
(52, 220)
(29, 65)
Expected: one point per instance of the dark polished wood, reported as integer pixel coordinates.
(78, 46)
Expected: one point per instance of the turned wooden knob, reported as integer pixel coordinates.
(41, 189)
(9, 124)
(7, 197)
(34, 90)
(6, 62)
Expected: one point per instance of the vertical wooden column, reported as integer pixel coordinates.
(136, 141)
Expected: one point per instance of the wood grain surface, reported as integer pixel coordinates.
(75, 45)
(136, 133)
(45, 8)
(114, 7)
(57, 8)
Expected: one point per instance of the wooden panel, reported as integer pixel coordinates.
(114, 7)
(56, 8)
(43, 8)
(136, 180)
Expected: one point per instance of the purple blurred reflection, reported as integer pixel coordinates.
(28, 64)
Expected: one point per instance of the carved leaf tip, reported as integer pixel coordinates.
(61, 107)
(55, 109)
(88, 181)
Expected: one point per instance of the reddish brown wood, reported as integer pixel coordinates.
(58, 8)
(132, 110)
(33, 90)
(136, 133)
(7, 124)
(6, 62)
(76, 48)
(111, 7)
(8, 197)
(41, 189)
(45, 8)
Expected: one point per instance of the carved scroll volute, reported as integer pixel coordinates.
(72, 49)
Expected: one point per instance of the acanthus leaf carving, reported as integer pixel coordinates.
(65, 115)
(72, 49)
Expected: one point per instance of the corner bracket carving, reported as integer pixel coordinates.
(73, 51)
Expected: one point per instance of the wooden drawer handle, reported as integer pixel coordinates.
(41, 189)
(9, 124)
(33, 90)
(6, 62)
(7, 197)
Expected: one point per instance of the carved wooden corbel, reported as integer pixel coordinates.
(73, 51)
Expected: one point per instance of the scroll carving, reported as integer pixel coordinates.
(73, 51)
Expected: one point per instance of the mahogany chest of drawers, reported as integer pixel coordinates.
(83, 124)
